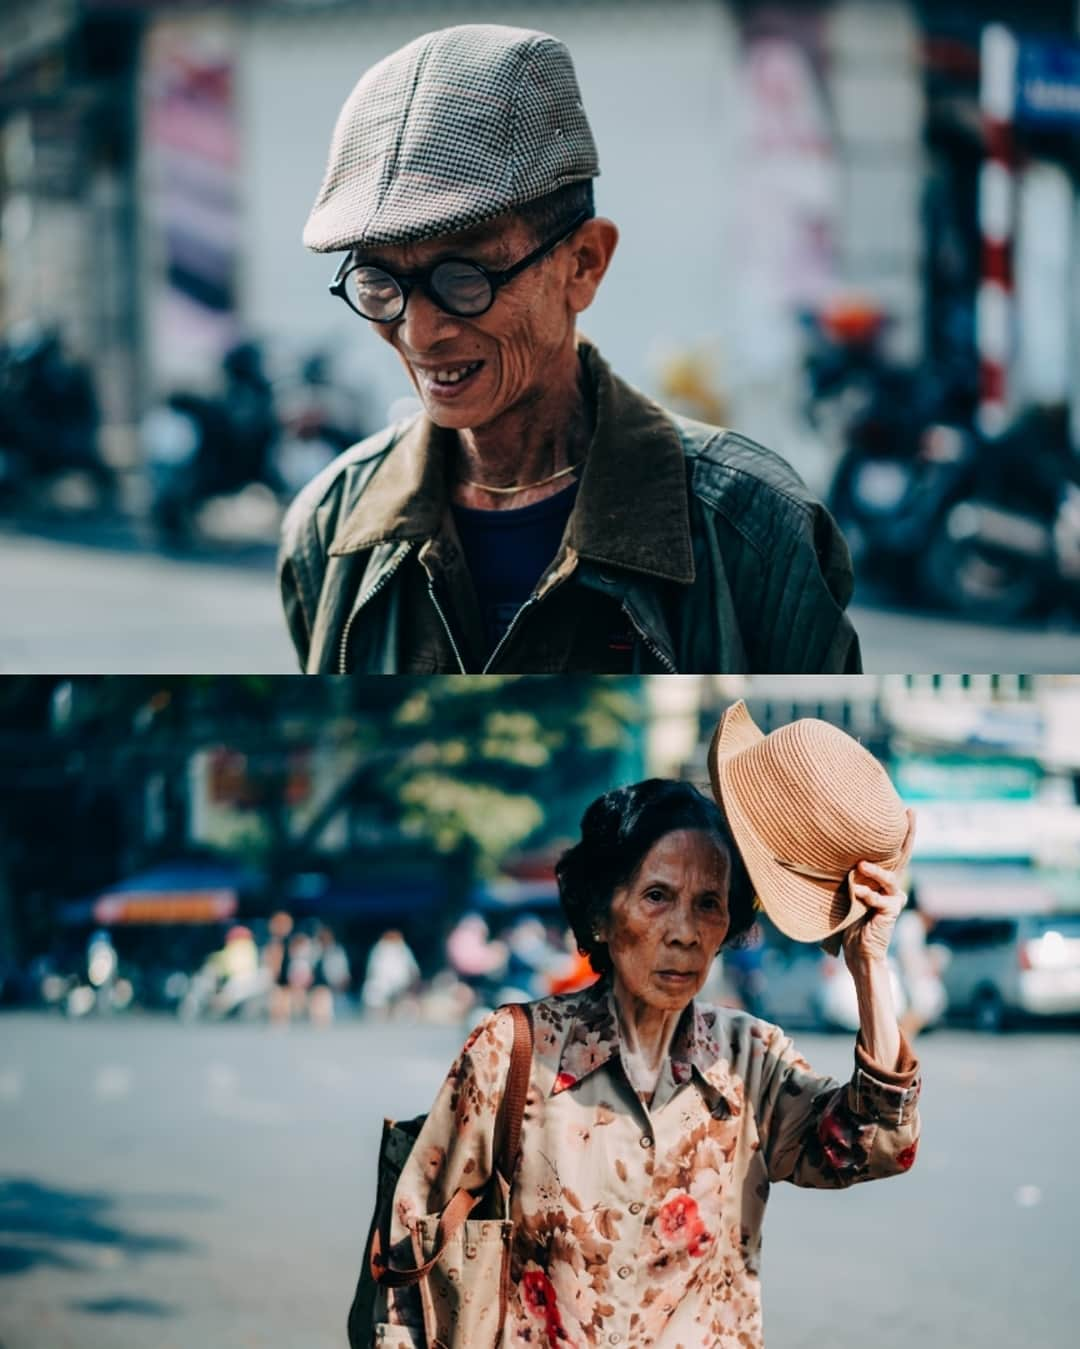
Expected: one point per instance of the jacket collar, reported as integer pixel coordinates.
(593, 1039)
(632, 505)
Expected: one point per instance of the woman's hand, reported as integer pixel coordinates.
(866, 948)
(867, 941)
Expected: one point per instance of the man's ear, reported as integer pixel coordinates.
(591, 251)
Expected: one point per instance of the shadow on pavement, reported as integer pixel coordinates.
(70, 1230)
(121, 534)
(125, 1306)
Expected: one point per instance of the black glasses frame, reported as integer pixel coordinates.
(406, 281)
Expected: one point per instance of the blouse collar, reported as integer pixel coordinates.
(592, 1039)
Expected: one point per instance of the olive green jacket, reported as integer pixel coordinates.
(689, 548)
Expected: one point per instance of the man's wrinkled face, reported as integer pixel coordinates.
(468, 372)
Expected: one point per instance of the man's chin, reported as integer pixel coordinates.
(467, 417)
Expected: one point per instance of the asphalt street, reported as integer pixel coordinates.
(112, 606)
(163, 1186)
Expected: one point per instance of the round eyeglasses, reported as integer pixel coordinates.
(459, 287)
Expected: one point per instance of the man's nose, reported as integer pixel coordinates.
(424, 324)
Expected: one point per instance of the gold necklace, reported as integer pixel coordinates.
(525, 486)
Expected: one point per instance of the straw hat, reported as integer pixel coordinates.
(806, 803)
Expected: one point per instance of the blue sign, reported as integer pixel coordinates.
(1048, 84)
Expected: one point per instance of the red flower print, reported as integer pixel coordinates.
(538, 1294)
(905, 1160)
(679, 1225)
(837, 1137)
(564, 1080)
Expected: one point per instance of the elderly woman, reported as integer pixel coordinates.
(655, 1124)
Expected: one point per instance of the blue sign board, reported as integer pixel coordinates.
(1048, 84)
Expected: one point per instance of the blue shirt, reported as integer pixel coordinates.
(508, 551)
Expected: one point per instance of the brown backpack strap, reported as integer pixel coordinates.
(512, 1108)
(511, 1114)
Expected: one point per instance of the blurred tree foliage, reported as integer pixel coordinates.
(478, 765)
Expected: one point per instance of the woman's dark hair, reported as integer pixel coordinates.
(617, 831)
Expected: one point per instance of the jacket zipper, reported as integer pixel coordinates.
(508, 633)
(446, 626)
(379, 584)
(664, 660)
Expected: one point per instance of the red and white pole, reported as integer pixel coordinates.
(994, 312)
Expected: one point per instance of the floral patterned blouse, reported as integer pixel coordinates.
(640, 1225)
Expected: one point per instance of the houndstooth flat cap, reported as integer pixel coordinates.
(452, 129)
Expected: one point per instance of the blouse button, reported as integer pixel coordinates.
(625, 1272)
(614, 1338)
(646, 1141)
(635, 1207)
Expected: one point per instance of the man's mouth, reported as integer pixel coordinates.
(448, 378)
(456, 373)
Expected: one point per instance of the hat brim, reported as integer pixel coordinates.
(735, 731)
(803, 907)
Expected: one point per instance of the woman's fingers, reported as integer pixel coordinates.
(880, 874)
(881, 901)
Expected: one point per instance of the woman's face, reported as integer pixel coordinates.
(670, 919)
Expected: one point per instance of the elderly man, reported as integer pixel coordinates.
(538, 515)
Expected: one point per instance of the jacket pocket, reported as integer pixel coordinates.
(464, 1297)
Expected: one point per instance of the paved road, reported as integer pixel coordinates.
(109, 606)
(895, 642)
(71, 607)
(165, 1186)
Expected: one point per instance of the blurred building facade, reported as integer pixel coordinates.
(68, 188)
(159, 159)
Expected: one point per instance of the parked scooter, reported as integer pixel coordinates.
(257, 431)
(48, 418)
(1008, 543)
(905, 444)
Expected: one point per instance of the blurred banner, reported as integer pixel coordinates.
(786, 223)
(1048, 84)
(191, 152)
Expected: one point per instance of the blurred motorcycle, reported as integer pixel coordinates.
(49, 417)
(1008, 543)
(905, 446)
(257, 431)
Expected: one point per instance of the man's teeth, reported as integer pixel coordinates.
(452, 376)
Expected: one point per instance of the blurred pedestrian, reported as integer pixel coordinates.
(919, 970)
(530, 960)
(237, 968)
(744, 963)
(538, 514)
(330, 976)
(392, 972)
(575, 973)
(301, 972)
(277, 960)
(475, 958)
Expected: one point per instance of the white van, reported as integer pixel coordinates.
(1002, 969)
